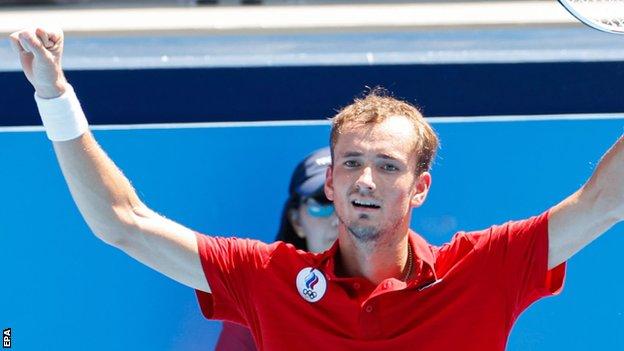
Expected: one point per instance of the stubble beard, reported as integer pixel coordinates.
(362, 233)
(369, 234)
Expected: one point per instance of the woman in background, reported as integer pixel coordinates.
(308, 222)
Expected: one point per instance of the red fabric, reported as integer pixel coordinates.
(235, 337)
(465, 295)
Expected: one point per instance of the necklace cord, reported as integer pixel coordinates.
(410, 263)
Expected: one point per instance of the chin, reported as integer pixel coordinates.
(364, 233)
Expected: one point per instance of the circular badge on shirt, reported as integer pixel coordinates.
(311, 284)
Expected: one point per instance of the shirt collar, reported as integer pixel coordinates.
(424, 261)
(422, 251)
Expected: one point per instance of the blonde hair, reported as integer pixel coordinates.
(374, 108)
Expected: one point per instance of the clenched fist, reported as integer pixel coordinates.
(40, 53)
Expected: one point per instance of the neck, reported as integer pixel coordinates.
(375, 261)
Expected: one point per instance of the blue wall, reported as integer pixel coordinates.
(64, 290)
(309, 92)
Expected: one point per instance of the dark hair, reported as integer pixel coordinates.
(286, 231)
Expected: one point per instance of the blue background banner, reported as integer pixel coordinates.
(288, 93)
(64, 289)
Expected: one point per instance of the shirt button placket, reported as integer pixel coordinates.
(370, 320)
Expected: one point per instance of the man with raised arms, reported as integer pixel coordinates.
(381, 286)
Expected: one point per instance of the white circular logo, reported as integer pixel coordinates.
(311, 284)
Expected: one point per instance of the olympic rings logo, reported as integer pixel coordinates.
(309, 293)
(311, 284)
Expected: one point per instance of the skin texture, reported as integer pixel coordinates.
(376, 164)
(371, 164)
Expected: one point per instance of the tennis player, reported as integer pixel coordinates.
(380, 286)
(308, 223)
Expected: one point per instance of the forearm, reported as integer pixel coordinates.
(102, 193)
(605, 189)
(104, 196)
(590, 211)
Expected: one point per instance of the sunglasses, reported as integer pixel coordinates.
(319, 207)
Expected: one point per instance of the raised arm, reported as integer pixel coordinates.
(590, 211)
(104, 196)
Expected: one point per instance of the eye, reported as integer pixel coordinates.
(351, 163)
(389, 167)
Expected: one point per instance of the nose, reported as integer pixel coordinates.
(365, 183)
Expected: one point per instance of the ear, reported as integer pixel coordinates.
(423, 184)
(329, 183)
(295, 221)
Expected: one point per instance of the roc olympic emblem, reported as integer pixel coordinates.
(311, 284)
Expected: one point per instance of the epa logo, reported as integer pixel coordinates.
(6, 338)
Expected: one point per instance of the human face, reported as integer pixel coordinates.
(373, 181)
(316, 221)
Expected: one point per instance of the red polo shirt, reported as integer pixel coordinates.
(464, 295)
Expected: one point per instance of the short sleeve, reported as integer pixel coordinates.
(235, 337)
(517, 252)
(230, 266)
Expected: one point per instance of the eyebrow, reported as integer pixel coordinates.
(352, 154)
(387, 157)
(359, 154)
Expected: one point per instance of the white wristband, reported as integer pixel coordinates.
(62, 117)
